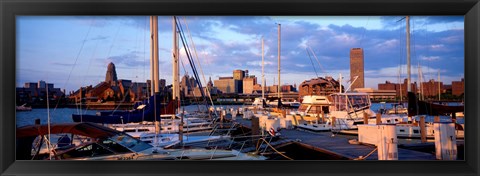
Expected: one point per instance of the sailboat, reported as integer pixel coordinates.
(416, 107)
(141, 122)
(91, 141)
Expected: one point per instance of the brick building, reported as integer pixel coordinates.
(458, 87)
(319, 86)
(357, 68)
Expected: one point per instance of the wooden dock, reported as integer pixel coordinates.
(339, 145)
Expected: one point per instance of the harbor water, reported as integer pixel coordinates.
(64, 115)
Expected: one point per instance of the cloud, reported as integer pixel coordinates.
(225, 43)
(62, 64)
(387, 45)
(99, 37)
(129, 59)
(300, 65)
(259, 63)
(430, 58)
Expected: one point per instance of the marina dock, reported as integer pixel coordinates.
(338, 145)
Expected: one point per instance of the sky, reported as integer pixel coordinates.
(74, 51)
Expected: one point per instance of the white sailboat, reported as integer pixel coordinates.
(178, 122)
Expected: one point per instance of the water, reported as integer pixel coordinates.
(64, 115)
(59, 115)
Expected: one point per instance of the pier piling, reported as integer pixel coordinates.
(365, 118)
(387, 142)
(445, 141)
(423, 129)
(379, 118)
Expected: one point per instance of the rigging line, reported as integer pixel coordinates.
(137, 49)
(364, 31)
(88, 69)
(145, 55)
(196, 57)
(428, 48)
(75, 63)
(318, 61)
(192, 64)
(197, 78)
(311, 62)
(413, 34)
(114, 39)
(187, 82)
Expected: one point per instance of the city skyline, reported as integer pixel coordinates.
(74, 51)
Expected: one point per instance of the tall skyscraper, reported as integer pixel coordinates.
(357, 68)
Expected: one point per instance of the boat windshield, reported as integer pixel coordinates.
(351, 102)
(303, 108)
(130, 142)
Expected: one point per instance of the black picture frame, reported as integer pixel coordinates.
(10, 8)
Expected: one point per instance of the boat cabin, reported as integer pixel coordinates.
(350, 102)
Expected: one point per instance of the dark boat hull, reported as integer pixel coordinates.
(132, 116)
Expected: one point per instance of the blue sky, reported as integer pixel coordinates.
(73, 51)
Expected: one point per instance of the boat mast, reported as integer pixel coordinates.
(263, 74)
(175, 64)
(399, 83)
(439, 93)
(420, 80)
(409, 87)
(48, 121)
(340, 82)
(155, 55)
(279, 82)
(154, 68)
(152, 56)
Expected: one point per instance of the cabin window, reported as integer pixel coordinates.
(303, 108)
(402, 130)
(90, 150)
(415, 131)
(388, 121)
(315, 110)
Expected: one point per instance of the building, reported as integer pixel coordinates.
(111, 75)
(33, 92)
(458, 87)
(228, 85)
(319, 86)
(288, 88)
(272, 89)
(257, 89)
(248, 84)
(113, 89)
(357, 68)
(239, 74)
(187, 86)
(400, 89)
(162, 83)
(379, 95)
(210, 83)
(431, 88)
